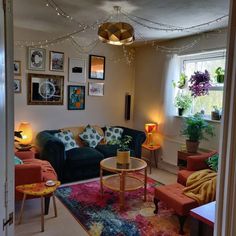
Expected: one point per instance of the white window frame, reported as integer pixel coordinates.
(203, 56)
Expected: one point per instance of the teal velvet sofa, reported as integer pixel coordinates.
(82, 162)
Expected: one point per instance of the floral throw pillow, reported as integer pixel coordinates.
(212, 162)
(91, 137)
(113, 134)
(67, 138)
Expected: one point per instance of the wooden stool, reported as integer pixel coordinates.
(38, 190)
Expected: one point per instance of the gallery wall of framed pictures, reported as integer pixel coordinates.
(45, 71)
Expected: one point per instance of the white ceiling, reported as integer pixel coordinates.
(33, 14)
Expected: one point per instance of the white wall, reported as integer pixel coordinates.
(106, 110)
(154, 93)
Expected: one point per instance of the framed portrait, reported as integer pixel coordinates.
(36, 58)
(45, 89)
(76, 97)
(77, 70)
(56, 60)
(17, 85)
(96, 89)
(17, 67)
(96, 67)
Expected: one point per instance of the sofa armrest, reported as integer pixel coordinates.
(195, 163)
(28, 174)
(52, 150)
(138, 138)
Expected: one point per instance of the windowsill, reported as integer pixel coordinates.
(205, 118)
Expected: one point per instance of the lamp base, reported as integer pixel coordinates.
(24, 147)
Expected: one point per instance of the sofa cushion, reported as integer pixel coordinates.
(83, 156)
(91, 136)
(109, 150)
(113, 134)
(67, 138)
(183, 176)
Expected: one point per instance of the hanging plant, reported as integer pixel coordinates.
(200, 83)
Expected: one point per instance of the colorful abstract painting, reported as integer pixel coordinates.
(101, 216)
(76, 97)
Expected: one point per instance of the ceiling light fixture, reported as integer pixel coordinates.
(116, 33)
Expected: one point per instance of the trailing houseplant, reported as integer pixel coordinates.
(181, 82)
(220, 75)
(183, 102)
(200, 83)
(195, 129)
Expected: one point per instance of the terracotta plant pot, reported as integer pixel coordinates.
(215, 115)
(192, 146)
(123, 157)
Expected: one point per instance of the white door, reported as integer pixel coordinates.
(6, 120)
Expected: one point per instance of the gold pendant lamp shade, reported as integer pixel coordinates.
(116, 33)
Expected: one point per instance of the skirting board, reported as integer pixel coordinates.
(167, 166)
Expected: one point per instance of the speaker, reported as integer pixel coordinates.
(127, 106)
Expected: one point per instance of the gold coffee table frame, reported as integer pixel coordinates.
(123, 181)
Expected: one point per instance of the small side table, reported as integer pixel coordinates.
(38, 190)
(153, 155)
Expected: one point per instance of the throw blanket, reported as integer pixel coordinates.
(201, 186)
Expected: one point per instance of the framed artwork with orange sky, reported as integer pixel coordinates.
(96, 67)
(76, 97)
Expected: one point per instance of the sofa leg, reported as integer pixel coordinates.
(181, 224)
(46, 204)
(156, 205)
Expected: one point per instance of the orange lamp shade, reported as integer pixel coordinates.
(27, 133)
(151, 127)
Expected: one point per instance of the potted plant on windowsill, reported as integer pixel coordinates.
(196, 129)
(183, 103)
(215, 114)
(220, 75)
(123, 152)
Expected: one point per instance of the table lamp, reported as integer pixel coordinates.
(27, 135)
(150, 128)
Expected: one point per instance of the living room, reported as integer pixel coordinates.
(60, 44)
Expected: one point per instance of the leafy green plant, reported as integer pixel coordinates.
(183, 101)
(124, 143)
(220, 75)
(216, 109)
(181, 82)
(196, 128)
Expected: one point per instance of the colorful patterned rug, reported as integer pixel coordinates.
(101, 216)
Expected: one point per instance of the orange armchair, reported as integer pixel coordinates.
(33, 171)
(194, 163)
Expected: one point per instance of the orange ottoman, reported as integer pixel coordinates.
(173, 196)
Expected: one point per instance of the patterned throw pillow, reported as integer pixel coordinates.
(67, 138)
(17, 160)
(91, 136)
(212, 162)
(113, 134)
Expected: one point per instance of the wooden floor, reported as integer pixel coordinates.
(64, 224)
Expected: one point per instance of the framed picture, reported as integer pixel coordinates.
(17, 85)
(56, 60)
(45, 89)
(76, 97)
(77, 70)
(36, 58)
(96, 89)
(96, 67)
(17, 68)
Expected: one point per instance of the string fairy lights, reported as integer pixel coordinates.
(129, 53)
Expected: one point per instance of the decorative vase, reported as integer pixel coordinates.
(180, 111)
(192, 146)
(123, 157)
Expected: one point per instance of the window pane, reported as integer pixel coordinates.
(207, 102)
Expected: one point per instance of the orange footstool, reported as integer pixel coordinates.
(173, 196)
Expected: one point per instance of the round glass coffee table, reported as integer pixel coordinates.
(123, 181)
